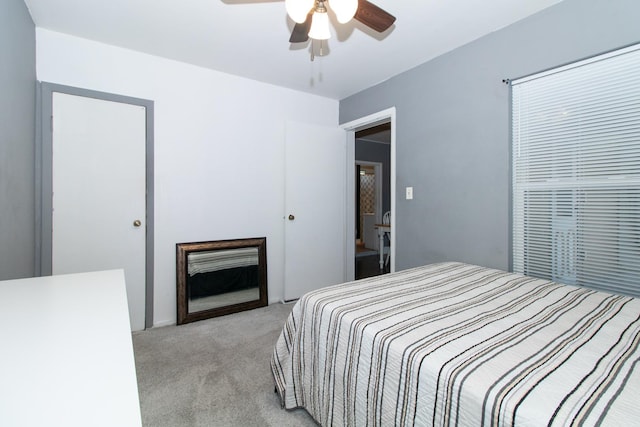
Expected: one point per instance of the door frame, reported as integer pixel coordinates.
(44, 181)
(385, 116)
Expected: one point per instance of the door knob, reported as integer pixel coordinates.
(137, 223)
(291, 217)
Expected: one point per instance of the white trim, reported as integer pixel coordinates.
(350, 208)
(387, 115)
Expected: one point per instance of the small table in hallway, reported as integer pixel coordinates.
(382, 230)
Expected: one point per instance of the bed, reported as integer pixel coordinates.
(452, 344)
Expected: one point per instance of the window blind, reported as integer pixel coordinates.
(576, 173)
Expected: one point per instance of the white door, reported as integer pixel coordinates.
(315, 208)
(99, 192)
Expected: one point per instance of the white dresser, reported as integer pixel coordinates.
(66, 355)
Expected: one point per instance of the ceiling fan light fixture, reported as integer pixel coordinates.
(345, 10)
(320, 25)
(298, 9)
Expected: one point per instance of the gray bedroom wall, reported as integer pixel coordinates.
(17, 130)
(452, 127)
(377, 152)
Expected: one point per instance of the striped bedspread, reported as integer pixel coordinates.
(453, 344)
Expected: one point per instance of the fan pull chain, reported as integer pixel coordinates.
(313, 56)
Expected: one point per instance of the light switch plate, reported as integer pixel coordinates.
(409, 193)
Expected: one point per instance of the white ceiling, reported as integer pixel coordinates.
(250, 38)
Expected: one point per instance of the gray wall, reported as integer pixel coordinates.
(376, 152)
(452, 128)
(17, 135)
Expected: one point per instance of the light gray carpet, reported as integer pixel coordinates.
(213, 372)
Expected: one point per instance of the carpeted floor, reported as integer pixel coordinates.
(213, 372)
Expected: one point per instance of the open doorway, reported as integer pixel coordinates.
(373, 200)
(352, 127)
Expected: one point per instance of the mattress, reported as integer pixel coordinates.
(453, 344)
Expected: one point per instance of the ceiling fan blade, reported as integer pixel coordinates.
(374, 17)
(300, 32)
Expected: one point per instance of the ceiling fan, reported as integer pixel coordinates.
(312, 20)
